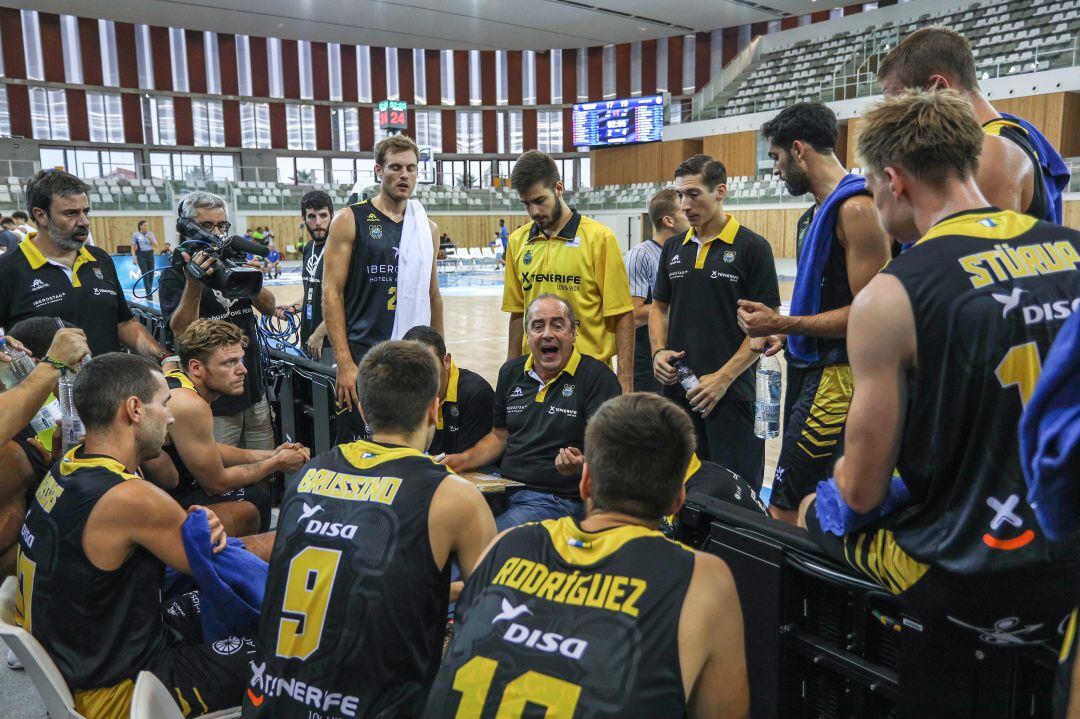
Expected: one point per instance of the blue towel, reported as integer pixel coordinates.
(806, 297)
(1050, 437)
(1056, 173)
(835, 516)
(231, 583)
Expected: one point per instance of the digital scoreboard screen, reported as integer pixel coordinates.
(619, 122)
(393, 115)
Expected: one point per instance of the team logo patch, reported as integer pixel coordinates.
(375, 231)
(517, 393)
(454, 411)
(729, 256)
(38, 285)
(371, 217)
(568, 391)
(989, 222)
(97, 273)
(1005, 513)
(576, 242)
(527, 259)
(674, 261)
(229, 645)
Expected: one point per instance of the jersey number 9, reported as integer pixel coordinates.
(307, 597)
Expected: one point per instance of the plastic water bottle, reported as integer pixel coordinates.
(767, 398)
(14, 372)
(686, 376)
(73, 429)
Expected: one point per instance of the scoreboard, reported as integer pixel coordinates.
(393, 115)
(619, 122)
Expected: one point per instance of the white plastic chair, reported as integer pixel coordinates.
(152, 700)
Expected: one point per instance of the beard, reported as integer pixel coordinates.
(552, 221)
(797, 182)
(70, 241)
(317, 235)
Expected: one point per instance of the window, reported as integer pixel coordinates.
(213, 67)
(556, 77)
(193, 167)
(470, 132)
(273, 58)
(69, 38)
(87, 163)
(5, 115)
(363, 73)
(635, 69)
(528, 77)
(48, 114)
(106, 117)
(35, 66)
(609, 72)
(208, 122)
(301, 170)
(345, 129)
(300, 123)
(178, 55)
(303, 59)
(333, 58)
(419, 77)
(475, 98)
(446, 70)
(774, 25)
(510, 139)
(243, 65)
(429, 129)
(689, 55)
(661, 65)
(585, 172)
(582, 73)
(501, 85)
(348, 171)
(392, 90)
(159, 127)
(549, 131)
(144, 58)
(255, 124)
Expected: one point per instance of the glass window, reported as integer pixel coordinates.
(342, 170)
(429, 129)
(35, 66)
(286, 169)
(582, 74)
(549, 134)
(333, 58)
(556, 77)
(689, 64)
(501, 86)
(110, 67)
(585, 171)
(470, 132)
(635, 69)
(213, 67)
(510, 139)
(69, 37)
(310, 170)
(419, 76)
(208, 123)
(106, 117)
(144, 58)
(446, 70)
(661, 65)
(528, 77)
(178, 54)
(475, 98)
(243, 65)
(273, 58)
(1, 56)
(363, 73)
(52, 158)
(307, 126)
(48, 114)
(392, 90)
(159, 126)
(255, 124)
(609, 71)
(345, 129)
(303, 59)
(5, 115)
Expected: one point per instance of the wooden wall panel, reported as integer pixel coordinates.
(230, 116)
(19, 110)
(841, 149)
(279, 131)
(1071, 210)
(702, 59)
(1055, 114)
(487, 77)
(286, 228)
(461, 78)
(569, 76)
(1070, 125)
(260, 66)
(433, 76)
(528, 129)
(738, 151)
(652, 162)
(89, 48)
(110, 231)
(622, 70)
(514, 80)
(290, 68)
(475, 230)
(133, 126)
(596, 73)
(159, 50)
(850, 158)
(52, 55)
(125, 50)
(777, 226)
(406, 77)
(185, 127)
(449, 131)
(349, 90)
(78, 115)
(543, 78)
(648, 67)
(378, 74)
(674, 65)
(14, 53)
(320, 71)
(230, 82)
(196, 60)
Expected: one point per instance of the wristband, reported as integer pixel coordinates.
(57, 363)
(659, 351)
(170, 358)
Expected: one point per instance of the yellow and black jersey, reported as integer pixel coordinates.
(583, 265)
(370, 293)
(1039, 207)
(100, 628)
(573, 623)
(176, 379)
(355, 608)
(835, 292)
(989, 290)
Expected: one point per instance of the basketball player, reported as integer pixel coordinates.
(945, 347)
(606, 617)
(212, 357)
(360, 273)
(355, 608)
(846, 248)
(1009, 174)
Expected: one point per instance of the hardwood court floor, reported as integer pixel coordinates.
(477, 336)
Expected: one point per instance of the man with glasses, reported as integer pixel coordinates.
(243, 420)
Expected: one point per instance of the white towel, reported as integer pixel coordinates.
(415, 260)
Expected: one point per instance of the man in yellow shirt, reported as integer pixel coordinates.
(575, 257)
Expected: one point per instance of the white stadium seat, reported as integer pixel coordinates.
(152, 700)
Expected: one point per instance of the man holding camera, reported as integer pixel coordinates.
(244, 420)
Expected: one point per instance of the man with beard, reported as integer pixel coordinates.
(317, 209)
(840, 247)
(572, 256)
(56, 274)
(378, 278)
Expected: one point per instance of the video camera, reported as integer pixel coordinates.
(230, 276)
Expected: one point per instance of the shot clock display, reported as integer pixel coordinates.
(393, 115)
(619, 122)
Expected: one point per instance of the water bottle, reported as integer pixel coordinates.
(14, 372)
(73, 429)
(686, 376)
(767, 398)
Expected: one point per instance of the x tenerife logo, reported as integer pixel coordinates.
(1004, 513)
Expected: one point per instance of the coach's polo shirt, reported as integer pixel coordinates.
(583, 265)
(542, 418)
(465, 413)
(702, 282)
(88, 294)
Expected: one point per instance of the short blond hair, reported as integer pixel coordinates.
(202, 337)
(932, 134)
(395, 143)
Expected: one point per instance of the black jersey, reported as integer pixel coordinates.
(583, 624)
(355, 608)
(176, 379)
(312, 271)
(989, 290)
(99, 627)
(835, 293)
(371, 289)
(1039, 207)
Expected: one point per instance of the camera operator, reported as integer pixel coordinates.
(243, 420)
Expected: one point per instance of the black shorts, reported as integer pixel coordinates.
(349, 424)
(964, 626)
(815, 411)
(257, 494)
(201, 676)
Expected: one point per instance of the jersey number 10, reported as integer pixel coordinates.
(474, 679)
